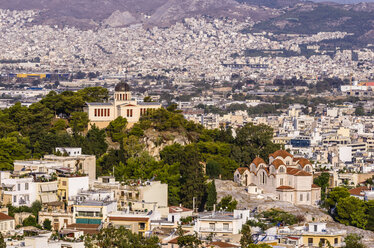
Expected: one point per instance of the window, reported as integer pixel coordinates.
(226, 226)
(63, 183)
(108, 112)
(281, 169)
(19, 187)
(301, 197)
(307, 196)
(26, 186)
(212, 226)
(323, 241)
(315, 228)
(310, 241)
(281, 181)
(128, 113)
(14, 198)
(336, 241)
(95, 112)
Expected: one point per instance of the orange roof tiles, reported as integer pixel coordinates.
(281, 153)
(5, 217)
(242, 169)
(297, 172)
(315, 186)
(257, 161)
(301, 161)
(277, 163)
(285, 187)
(357, 191)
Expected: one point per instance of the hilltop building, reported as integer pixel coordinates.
(288, 177)
(101, 114)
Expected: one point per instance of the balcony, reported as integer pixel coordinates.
(220, 230)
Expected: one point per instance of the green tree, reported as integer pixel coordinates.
(30, 221)
(252, 141)
(2, 241)
(246, 238)
(227, 204)
(47, 224)
(94, 142)
(192, 179)
(116, 129)
(120, 237)
(353, 240)
(336, 194)
(351, 211)
(370, 215)
(323, 182)
(212, 196)
(79, 121)
(187, 241)
(147, 99)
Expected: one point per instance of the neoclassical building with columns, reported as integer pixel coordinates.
(289, 178)
(101, 114)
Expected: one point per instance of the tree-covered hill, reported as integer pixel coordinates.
(58, 120)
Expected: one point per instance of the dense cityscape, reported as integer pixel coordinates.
(207, 132)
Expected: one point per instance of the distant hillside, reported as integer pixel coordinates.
(270, 3)
(310, 18)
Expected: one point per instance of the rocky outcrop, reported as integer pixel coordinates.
(120, 19)
(156, 141)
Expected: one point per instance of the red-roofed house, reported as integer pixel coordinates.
(6, 223)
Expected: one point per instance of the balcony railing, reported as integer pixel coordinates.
(208, 229)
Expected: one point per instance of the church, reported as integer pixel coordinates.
(287, 177)
(101, 114)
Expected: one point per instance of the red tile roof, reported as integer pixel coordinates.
(5, 217)
(277, 163)
(297, 172)
(357, 191)
(281, 153)
(257, 161)
(285, 187)
(315, 186)
(301, 161)
(242, 169)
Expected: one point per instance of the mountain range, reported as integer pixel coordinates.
(278, 16)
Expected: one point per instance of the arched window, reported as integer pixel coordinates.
(281, 169)
(307, 168)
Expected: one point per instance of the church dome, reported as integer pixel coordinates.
(122, 86)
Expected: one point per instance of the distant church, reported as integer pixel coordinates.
(101, 114)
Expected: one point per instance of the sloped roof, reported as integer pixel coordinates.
(301, 161)
(257, 161)
(277, 163)
(285, 188)
(5, 217)
(281, 153)
(357, 191)
(315, 186)
(242, 169)
(297, 172)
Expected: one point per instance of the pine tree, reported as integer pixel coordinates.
(246, 240)
(192, 178)
(212, 196)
